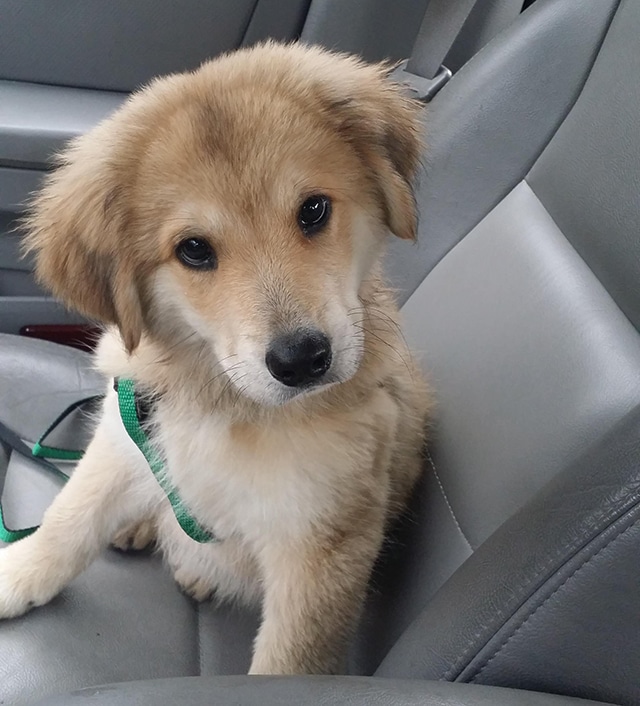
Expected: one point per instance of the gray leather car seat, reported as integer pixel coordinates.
(518, 564)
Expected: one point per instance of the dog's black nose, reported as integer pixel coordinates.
(299, 358)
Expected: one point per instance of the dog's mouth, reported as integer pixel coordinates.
(290, 393)
(296, 364)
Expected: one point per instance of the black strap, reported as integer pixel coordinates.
(9, 439)
(40, 450)
(13, 443)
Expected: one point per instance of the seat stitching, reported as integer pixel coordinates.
(579, 568)
(446, 499)
(199, 637)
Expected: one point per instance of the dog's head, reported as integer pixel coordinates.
(242, 205)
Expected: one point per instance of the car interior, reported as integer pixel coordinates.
(515, 576)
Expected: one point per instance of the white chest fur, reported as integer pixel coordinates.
(263, 481)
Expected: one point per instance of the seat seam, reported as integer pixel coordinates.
(199, 637)
(607, 521)
(572, 575)
(249, 21)
(446, 499)
(615, 5)
(579, 254)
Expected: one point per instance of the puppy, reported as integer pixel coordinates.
(227, 226)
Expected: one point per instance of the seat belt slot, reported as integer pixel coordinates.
(441, 41)
(419, 88)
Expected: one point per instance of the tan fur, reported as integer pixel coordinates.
(299, 487)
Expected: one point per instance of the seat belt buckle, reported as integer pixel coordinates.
(419, 88)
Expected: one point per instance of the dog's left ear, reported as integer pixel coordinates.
(384, 126)
(76, 232)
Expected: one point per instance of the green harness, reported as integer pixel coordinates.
(130, 413)
(133, 412)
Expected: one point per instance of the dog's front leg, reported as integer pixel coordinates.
(314, 591)
(97, 500)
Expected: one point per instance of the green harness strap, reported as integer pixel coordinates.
(129, 413)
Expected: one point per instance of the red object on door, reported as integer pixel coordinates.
(82, 336)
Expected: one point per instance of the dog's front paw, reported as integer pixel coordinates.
(23, 585)
(194, 586)
(135, 537)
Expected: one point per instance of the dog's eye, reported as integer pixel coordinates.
(314, 213)
(196, 253)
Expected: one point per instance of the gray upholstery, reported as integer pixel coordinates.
(123, 619)
(36, 121)
(39, 380)
(17, 311)
(119, 45)
(518, 337)
(301, 691)
(588, 176)
(276, 19)
(15, 187)
(485, 21)
(532, 361)
(492, 120)
(516, 565)
(375, 29)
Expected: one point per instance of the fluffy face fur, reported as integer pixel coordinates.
(299, 486)
(229, 154)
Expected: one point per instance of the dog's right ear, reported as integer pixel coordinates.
(75, 231)
(374, 115)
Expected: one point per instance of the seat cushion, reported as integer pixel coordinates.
(303, 691)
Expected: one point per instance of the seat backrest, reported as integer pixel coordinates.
(528, 328)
